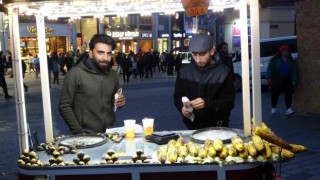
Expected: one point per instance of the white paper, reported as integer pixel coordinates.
(116, 96)
(186, 104)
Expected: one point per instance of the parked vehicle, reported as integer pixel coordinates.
(268, 48)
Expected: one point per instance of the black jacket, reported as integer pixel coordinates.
(214, 84)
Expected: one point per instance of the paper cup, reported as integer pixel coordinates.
(129, 125)
(148, 126)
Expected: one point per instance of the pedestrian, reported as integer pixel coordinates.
(223, 56)
(163, 63)
(177, 62)
(24, 69)
(282, 75)
(170, 63)
(126, 69)
(55, 70)
(3, 82)
(36, 63)
(207, 84)
(87, 102)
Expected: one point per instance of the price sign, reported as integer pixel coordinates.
(196, 11)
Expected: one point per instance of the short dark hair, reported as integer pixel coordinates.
(102, 38)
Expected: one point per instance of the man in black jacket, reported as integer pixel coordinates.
(207, 84)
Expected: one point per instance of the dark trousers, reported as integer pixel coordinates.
(56, 77)
(126, 75)
(285, 87)
(3, 84)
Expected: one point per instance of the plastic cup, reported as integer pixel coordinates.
(148, 126)
(129, 125)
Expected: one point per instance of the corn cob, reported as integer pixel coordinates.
(202, 153)
(181, 140)
(232, 151)
(211, 152)
(251, 149)
(258, 143)
(267, 153)
(237, 143)
(271, 137)
(284, 152)
(297, 148)
(172, 156)
(224, 153)
(244, 153)
(218, 144)
(162, 157)
(207, 144)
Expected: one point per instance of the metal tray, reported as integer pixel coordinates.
(83, 141)
(212, 133)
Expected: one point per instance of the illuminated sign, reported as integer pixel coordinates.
(146, 35)
(177, 35)
(165, 35)
(33, 30)
(123, 34)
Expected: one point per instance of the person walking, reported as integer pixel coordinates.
(3, 82)
(88, 102)
(282, 76)
(223, 56)
(24, 69)
(208, 86)
(55, 70)
(127, 69)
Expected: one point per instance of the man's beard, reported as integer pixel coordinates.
(104, 66)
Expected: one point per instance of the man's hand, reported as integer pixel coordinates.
(120, 101)
(198, 103)
(185, 112)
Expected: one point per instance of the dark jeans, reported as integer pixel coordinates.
(285, 87)
(3, 84)
(126, 75)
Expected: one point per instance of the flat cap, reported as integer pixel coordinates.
(201, 43)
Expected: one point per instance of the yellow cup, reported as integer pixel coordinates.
(148, 126)
(130, 127)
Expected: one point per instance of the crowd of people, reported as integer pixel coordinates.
(144, 64)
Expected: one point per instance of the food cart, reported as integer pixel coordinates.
(125, 167)
(153, 169)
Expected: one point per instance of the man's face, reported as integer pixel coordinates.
(224, 49)
(202, 59)
(102, 55)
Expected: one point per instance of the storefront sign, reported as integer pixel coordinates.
(146, 35)
(178, 34)
(123, 34)
(164, 35)
(33, 30)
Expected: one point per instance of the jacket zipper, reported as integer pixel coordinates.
(200, 82)
(101, 87)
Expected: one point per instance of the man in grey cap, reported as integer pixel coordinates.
(208, 86)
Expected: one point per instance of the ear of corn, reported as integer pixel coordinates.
(237, 143)
(297, 148)
(284, 152)
(258, 143)
(271, 137)
(251, 149)
(218, 144)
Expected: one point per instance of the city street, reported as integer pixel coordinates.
(154, 98)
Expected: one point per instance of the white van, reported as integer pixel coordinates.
(268, 48)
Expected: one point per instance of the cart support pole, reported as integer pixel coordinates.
(44, 77)
(245, 69)
(18, 79)
(255, 56)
